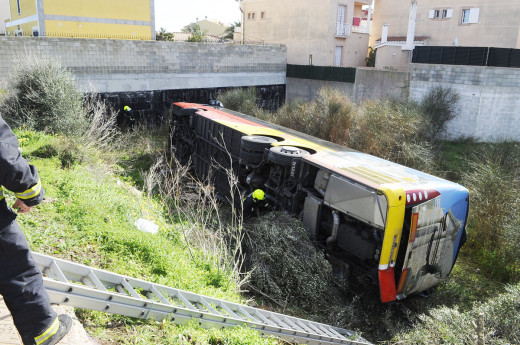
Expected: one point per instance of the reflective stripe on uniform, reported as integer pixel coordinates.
(1, 192)
(31, 192)
(48, 333)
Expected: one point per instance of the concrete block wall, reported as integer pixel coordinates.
(489, 107)
(106, 66)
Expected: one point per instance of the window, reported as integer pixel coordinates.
(19, 8)
(444, 13)
(447, 13)
(470, 15)
(262, 15)
(253, 15)
(437, 14)
(249, 16)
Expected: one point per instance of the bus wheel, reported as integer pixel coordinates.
(284, 155)
(256, 143)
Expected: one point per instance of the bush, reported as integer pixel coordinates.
(327, 117)
(494, 223)
(284, 263)
(391, 129)
(43, 96)
(501, 316)
(439, 106)
(242, 100)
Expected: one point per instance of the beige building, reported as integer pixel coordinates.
(318, 32)
(4, 14)
(472, 23)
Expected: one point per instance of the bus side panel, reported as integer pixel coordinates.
(216, 152)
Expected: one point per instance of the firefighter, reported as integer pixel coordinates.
(129, 117)
(253, 203)
(21, 282)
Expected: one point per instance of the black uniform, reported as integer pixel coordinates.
(21, 283)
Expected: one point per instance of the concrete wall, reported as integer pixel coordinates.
(490, 102)
(123, 66)
(370, 84)
(393, 58)
(148, 76)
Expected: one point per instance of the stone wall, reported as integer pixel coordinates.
(489, 107)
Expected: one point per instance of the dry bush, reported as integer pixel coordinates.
(284, 264)
(328, 117)
(493, 180)
(391, 130)
(501, 316)
(210, 230)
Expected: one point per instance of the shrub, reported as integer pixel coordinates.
(242, 100)
(501, 319)
(439, 106)
(391, 129)
(284, 263)
(327, 117)
(43, 96)
(493, 180)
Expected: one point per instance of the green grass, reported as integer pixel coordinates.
(88, 217)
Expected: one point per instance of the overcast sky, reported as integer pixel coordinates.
(173, 15)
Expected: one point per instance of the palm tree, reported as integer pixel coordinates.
(231, 30)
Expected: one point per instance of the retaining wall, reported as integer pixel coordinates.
(489, 107)
(142, 73)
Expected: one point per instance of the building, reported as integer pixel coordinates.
(212, 27)
(472, 23)
(4, 14)
(318, 32)
(123, 19)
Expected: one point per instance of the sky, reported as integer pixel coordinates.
(173, 15)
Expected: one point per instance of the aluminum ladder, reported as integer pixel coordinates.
(80, 286)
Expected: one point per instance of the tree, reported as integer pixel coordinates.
(163, 35)
(197, 34)
(230, 31)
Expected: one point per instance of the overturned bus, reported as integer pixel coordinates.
(399, 226)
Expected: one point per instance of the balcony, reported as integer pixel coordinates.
(343, 30)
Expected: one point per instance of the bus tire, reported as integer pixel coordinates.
(284, 155)
(256, 143)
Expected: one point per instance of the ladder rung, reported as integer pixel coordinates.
(128, 288)
(159, 295)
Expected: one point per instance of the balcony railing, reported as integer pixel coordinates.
(342, 30)
(345, 30)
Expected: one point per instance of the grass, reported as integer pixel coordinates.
(88, 217)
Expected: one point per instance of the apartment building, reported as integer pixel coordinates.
(469, 23)
(318, 32)
(4, 14)
(123, 19)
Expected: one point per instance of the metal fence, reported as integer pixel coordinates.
(342, 74)
(472, 56)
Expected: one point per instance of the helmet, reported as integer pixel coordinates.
(127, 108)
(259, 194)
